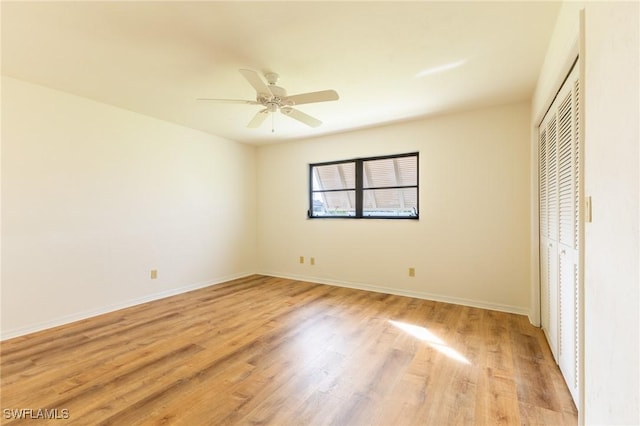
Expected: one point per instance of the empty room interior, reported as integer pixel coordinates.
(347, 213)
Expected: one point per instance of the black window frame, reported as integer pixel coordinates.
(359, 188)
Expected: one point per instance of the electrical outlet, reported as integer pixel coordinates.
(301, 259)
(412, 272)
(312, 261)
(154, 274)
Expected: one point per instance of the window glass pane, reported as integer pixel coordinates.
(334, 176)
(337, 203)
(407, 170)
(386, 172)
(384, 187)
(390, 202)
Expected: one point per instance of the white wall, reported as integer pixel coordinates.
(94, 197)
(612, 240)
(471, 244)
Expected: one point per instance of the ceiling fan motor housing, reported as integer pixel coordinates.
(272, 106)
(276, 100)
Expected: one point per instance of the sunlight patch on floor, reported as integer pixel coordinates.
(434, 341)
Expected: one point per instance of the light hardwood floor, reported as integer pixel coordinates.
(264, 350)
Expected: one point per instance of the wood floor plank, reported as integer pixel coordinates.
(498, 403)
(266, 350)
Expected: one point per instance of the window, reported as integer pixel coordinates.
(376, 187)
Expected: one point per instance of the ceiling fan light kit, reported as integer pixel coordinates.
(274, 98)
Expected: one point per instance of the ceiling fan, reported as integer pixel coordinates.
(274, 98)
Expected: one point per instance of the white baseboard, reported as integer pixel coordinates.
(8, 334)
(409, 293)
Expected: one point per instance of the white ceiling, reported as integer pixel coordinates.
(389, 61)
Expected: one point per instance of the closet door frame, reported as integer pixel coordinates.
(573, 52)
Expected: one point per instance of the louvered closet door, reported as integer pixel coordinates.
(569, 232)
(545, 295)
(560, 228)
(549, 232)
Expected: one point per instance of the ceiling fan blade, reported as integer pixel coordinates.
(258, 119)
(311, 97)
(254, 79)
(301, 117)
(229, 101)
